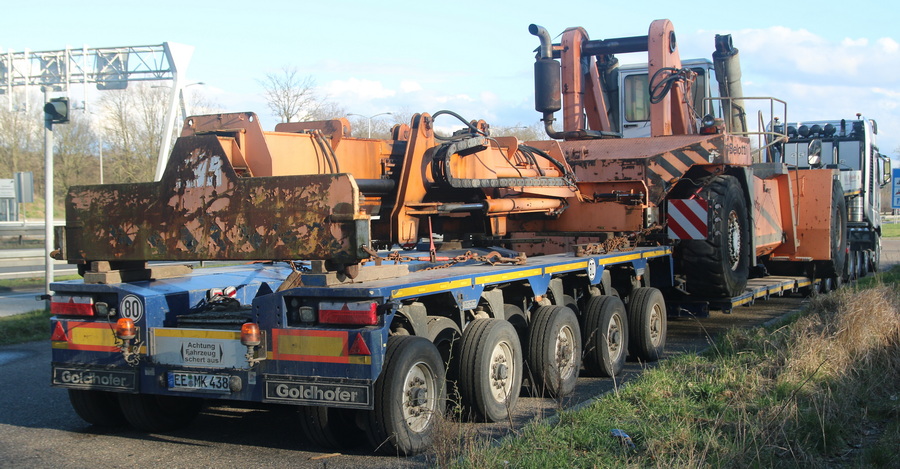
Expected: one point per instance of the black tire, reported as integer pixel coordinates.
(862, 263)
(98, 408)
(153, 413)
(647, 324)
(720, 265)
(554, 350)
(330, 427)
(445, 335)
(490, 376)
(409, 397)
(837, 233)
(605, 335)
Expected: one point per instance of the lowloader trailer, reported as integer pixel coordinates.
(553, 258)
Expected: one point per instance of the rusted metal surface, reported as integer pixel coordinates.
(201, 210)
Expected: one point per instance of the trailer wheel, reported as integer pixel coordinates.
(719, 266)
(329, 427)
(554, 350)
(490, 376)
(154, 413)
(647, 324)
(605, 335)
(98, 408)
(409, 397)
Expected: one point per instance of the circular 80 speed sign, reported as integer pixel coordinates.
(131, 308)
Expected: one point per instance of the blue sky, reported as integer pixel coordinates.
(827, 59)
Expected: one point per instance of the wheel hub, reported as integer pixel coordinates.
(565, 360)
(734, 239)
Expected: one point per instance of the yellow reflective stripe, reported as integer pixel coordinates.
(197, 334)
(360, 360)
(430, 288)
(309, 345)
(101, 336)
(566, 267)
(508, 276)
(617, 259)
(657, 253)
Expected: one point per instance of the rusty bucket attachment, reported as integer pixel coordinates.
(201, 210)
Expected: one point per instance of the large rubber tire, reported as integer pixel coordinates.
(153, 413)
(718, 267)
(409, 397)
(554, 350)
(490, 375)
(330, 427)
(837, 233)
(605, 335)
(647, 324)
(98, 408)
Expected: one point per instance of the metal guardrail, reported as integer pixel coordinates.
(31, 228)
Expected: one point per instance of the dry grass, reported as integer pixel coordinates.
(821, 391)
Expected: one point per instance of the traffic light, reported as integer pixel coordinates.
(58, 110)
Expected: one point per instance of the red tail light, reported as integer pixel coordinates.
(125, 329)
(66, 305)
(250, 334)
(360, 313)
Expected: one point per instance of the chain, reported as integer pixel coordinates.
(492, 258)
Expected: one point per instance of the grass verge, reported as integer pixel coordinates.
(823, 390)
(890, 230)
(25, 327)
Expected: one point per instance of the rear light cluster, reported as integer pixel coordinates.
(70, 305)
(351, 313)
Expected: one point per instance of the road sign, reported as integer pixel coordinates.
(895, 188)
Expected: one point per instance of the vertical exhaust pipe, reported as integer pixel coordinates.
(547, 81)
(728, 73)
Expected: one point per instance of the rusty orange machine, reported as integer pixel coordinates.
(553, 255)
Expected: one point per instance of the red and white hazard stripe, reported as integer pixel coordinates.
(687, 219)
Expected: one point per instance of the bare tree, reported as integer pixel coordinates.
(133, 125)
(290, 96)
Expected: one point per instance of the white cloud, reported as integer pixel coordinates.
(888, 45)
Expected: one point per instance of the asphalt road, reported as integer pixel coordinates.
(38, 428)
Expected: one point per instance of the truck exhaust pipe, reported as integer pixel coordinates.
(728, 74)
(547, 81)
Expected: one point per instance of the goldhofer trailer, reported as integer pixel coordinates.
(370, 356)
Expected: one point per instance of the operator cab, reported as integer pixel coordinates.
(634, 105)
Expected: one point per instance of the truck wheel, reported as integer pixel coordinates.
(409, 397)
(837, 232)
(554, 350)
(490, 375)
(605, 335)
(98, 408)
(154, 413)
(862, 263)
(331, 428)
(647, 324)
(719, 266)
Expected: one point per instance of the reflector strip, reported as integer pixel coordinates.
(687, 219)
(565, 267)
(314, 346)
(89, 336)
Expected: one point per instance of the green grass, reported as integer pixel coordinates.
(34, 282)
(26, 327)
(819, 391)
(890, 230)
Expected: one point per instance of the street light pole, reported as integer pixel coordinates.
(369, 119)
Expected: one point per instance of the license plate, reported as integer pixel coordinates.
(179, 380)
